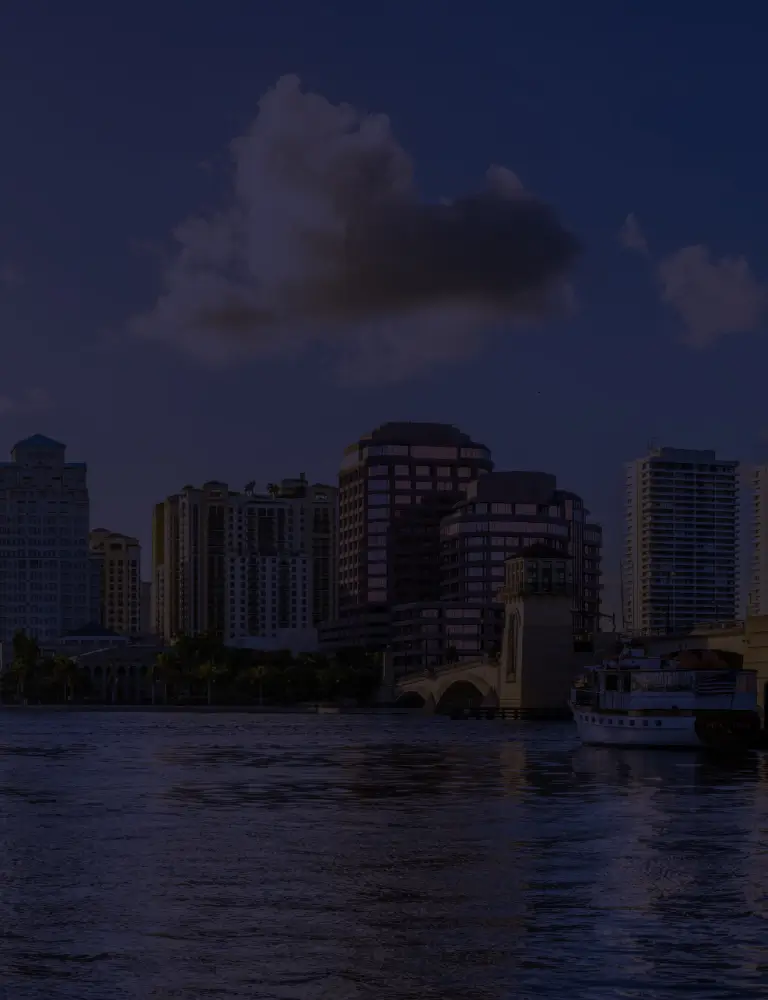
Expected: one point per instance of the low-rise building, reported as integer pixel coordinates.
(428, 634)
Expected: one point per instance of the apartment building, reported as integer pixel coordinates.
(119, 560)
(46, 583)
(504, 513)
(255, 568)
(757, 596)
(680, 566)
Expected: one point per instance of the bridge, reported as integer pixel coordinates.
(451, 687)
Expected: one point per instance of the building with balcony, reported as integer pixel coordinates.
(119, 560)
(757, 597)
(255, 568)
(680, 566)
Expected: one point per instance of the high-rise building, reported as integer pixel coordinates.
(504, 513)
(45, 571)
(395, 484)
(680, 564)
(119, 559)
(253, 568)
(757, 599)
(189, 536)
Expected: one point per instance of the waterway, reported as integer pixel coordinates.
(192, 856)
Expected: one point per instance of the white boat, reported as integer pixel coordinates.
(694, 699)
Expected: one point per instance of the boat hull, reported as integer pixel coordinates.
(713, 730)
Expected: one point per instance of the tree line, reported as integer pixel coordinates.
(193, 670)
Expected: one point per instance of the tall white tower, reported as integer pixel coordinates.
(680, 563)
(757, 599)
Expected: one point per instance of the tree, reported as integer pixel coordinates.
(210, 671)
(26, 656)
(257, 674)
(65, 672)
(166, 670)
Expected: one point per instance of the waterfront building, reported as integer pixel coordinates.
(46, 584)
(395, 485)
(680, 564)
(428, 634)
(255, 568)
(757, 599)
(504, 513)
(119, 561)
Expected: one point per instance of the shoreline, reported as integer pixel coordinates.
(222, 709)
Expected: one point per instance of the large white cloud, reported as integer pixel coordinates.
(324, 241)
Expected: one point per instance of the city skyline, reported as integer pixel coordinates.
(611, 600)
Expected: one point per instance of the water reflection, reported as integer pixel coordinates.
(186, 856)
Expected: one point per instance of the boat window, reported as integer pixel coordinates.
(611, 682)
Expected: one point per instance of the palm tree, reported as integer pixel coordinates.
(209, 671)
(65, 670)
(26, 655)
(256, 675)
(165, 669)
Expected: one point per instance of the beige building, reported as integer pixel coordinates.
(254, 568)
(119, 558)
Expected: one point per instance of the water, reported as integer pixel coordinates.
(189, 856)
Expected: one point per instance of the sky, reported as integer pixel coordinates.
(125, 209)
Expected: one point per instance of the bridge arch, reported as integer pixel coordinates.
(466, 693)
(411, 699)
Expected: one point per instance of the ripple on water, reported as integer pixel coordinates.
(189, 856)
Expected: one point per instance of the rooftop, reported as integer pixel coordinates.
(39, 441)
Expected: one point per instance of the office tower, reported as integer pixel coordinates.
(394, 486)
(757, 601)
(45, 573)
(119, 559)
(681, 552)
(254, 568)
(504, 513)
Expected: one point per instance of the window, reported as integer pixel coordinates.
(402, 499)
(423, 470)
(445, 486)
(465, 473)
(424, 451)
(378, 470)
(476, 556)
(502, 508)
(403, 484)
(443, 470)
(402, 470)
(377, 596)
(377, 514)
(423, 486)
(378, 500)
(378, 484)
(525, 508)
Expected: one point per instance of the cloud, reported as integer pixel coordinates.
(32, 401)
(712, 297)
(325, 242)
(631, 235)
